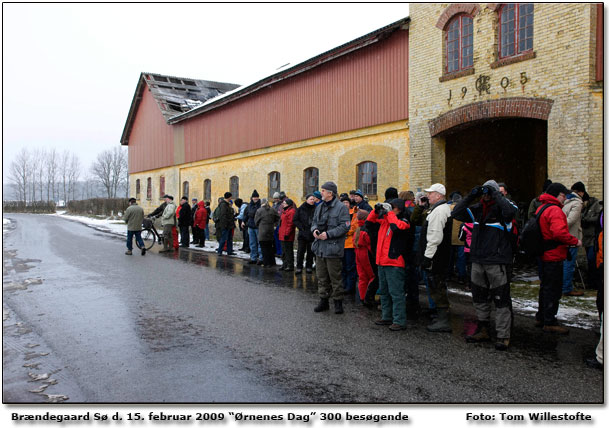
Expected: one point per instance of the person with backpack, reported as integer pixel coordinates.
(490, 255)
(555, 238)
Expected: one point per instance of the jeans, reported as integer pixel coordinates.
(349, 271)
(225, 238)
(277, 241)
(138, 239)
(207, 232)
(255, 250)
(568, 270)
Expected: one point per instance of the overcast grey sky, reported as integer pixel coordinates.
(70, 70)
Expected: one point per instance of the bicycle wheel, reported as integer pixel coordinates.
(148, 237)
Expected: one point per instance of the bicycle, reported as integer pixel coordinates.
(150, 234)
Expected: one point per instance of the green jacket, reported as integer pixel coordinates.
(134, 216)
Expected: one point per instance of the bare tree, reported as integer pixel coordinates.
(19, 173)
(51, 167)
(109, 169)
(73, 174)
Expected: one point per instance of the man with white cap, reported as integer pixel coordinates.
(434, 253)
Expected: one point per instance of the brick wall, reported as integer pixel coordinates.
(558, 78)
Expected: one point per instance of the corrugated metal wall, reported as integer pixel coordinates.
(364, 88)
(151, 139)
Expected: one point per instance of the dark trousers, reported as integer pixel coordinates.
(138, 239)
(349, 272)
(226, 238)
(185, 236)
(246, 240)
(198, 236)
(304, 247)
(411, 285)
(550, 292)
(287, 254)
(268, 255)
(374, 285)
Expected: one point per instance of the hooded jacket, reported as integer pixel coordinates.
(287, 229)
(265, 220)
(392, 243)
(200, 216)
(553, 225)
(573, 210)
(492, 235)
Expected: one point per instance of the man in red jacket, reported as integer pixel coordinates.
(556, 236)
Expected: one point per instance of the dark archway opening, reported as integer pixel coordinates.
(513, 151)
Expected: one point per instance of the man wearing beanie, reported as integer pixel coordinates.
(490, 254)
(572, 208)
(331, 222)
(556, 236)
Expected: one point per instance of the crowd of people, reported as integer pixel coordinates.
(408, 239)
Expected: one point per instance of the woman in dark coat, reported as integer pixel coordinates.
(266, 218)
(303, 220)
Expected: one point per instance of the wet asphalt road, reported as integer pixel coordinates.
(195, 327)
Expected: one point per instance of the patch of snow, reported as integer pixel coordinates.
(5, 221)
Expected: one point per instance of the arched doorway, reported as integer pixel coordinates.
(513, 151)
(504, 140)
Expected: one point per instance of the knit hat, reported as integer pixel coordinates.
(288, 202)
(555, 189)
(329, 185)
(345, 198)
(578, 187)
(398, 203)
(276, 195)
(317, 194)
(359, 193)
(391, 193)
(255, 194)
(308, 195)
(282, 195)
(362, 214)
(493, 184)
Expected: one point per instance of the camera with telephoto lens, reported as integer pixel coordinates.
(380, 210)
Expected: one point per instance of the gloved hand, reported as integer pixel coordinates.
(476, 191)
(427, 263)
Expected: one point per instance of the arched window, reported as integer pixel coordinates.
(207, 190)
(137, 188)
(234, 186)
(161, 186)
(274, 183)
(149, 188)
(515, 29)
(366, 178)
(185, 189)
(459, 43)
(310, 181)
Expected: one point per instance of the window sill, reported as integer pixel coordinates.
(514, 59)
(455, 75)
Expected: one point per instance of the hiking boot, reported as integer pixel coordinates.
(323, 305)
(442, 323)
(594, 364)
(164, 250)
(338, 307)
(502, 344)
(397, 327)
(381, 321)
(480, 335)
(574, 293)
(143, 251)
(556, 329)
(128, 252)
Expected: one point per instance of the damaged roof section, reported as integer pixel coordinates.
(174, 96)
(177, 95)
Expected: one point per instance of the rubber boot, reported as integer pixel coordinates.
(481, 333)
(323, 305)
(442, 323)
(338, 307)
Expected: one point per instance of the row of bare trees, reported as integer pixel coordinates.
(49, 175)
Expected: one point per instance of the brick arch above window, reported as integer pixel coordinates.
(517, 107)
(454, 9)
